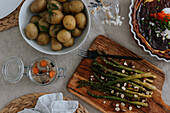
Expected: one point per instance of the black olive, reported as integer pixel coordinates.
(52, 64)
(91, 3)
(98, 1)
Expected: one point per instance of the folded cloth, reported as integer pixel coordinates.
(53, 103)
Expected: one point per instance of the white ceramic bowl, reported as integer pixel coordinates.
(24, 19)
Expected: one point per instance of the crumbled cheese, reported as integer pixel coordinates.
(163, 38)
(130, 108)
(123, 109)
(91, 79)
(143, 101)
(157, 35)
(133, 67)
(92, 76)
(122, 95)
(111, 19)
(136, 87)
(117, 105)
(151, 23)
(112, 91)
(118, 85)
(125, 84)
(148, 69)
(117, 109)
(125, 63)
(151, 93)
(123, 104)
(144, 80)
(123, 71)
(135, 96)
(117, 94)
(104, 102)
(110, 10)
(102, 77)
(147, 92)
(123, 88)
(142, 18)
(138, 106)
(157, 31)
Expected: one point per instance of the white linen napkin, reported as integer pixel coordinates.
(53, 103)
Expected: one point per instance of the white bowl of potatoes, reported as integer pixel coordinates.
(54, 27)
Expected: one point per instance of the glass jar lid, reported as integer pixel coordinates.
(13, 69)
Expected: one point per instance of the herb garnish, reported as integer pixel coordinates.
(44, 28)
(56, 32)
(51, 6)
(55, 26)
(70, 30)
(143, 22)
(150, 36)
(36, 23)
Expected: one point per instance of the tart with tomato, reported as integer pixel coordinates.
(151, 22)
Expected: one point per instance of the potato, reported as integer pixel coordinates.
(55, 44)
(62, 0)
(69, 22)
(35, 19)
(38, 6)
(81, 20)
(54, 5)
(43, 25)
(64, 35)
(76, 32)
(69, 43)
(55, 18)
(76, 6)
(54, 29)
(31, 31)
(43, 38)
(42, 14)
(66, 7)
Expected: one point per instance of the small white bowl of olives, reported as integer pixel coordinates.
(54, 27)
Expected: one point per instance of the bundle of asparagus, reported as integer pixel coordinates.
(119, 82)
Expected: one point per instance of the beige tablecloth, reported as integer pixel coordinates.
(12, 44)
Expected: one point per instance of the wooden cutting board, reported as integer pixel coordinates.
(102, 43)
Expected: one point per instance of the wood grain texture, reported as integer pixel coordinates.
(102, 43)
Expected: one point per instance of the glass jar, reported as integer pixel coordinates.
(42, 71)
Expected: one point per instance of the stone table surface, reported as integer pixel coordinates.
(12, 44)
